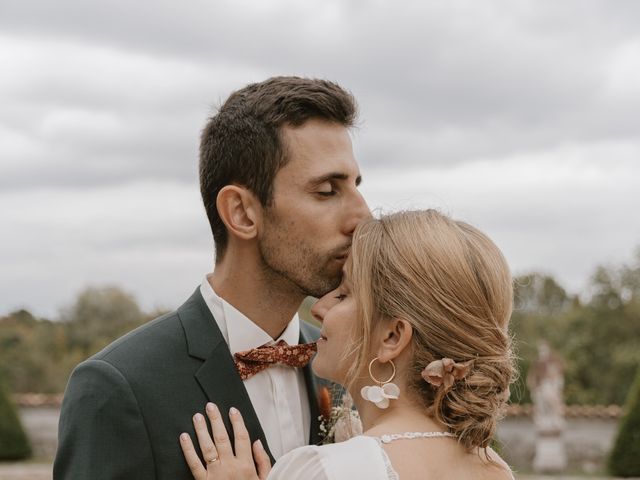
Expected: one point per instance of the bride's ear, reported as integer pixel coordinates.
(395, 336)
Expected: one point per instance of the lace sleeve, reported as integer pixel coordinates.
(359, 457)
(303, 462)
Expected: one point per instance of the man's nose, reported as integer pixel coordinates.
(357, 212)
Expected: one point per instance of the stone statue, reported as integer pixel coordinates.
(546, 383)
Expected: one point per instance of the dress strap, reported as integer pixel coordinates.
(391, 473)
(388, 438)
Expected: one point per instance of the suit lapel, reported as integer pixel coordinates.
(217, 376)
(222, 384)
(310, 334)
(219, 379)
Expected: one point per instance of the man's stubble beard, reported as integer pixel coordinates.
(297, 268)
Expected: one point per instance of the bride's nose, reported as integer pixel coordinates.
(322, 306)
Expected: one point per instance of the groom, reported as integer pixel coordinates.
(279, 184)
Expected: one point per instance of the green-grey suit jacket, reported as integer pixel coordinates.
(125, 407)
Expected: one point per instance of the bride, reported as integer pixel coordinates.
(417, 333)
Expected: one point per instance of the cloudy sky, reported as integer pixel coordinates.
(520, 116)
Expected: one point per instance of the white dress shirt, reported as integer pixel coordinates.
(278, 393)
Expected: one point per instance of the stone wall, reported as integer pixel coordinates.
(41, 425)
(588, 441)
(588, 437)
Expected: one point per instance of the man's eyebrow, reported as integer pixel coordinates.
(333, 176)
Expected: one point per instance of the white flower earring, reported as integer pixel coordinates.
(383, 392)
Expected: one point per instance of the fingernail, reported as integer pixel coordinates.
(198, 417)
(210, 407)
(259, 444)
(184, 436)
(233, 411)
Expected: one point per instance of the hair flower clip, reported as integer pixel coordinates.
(445, 372)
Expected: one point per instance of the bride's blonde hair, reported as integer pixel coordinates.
(453, 285)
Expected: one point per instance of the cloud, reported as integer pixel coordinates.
(562, 211)
(519, 116)
(84, 114)
(437, 82)
(57, 241)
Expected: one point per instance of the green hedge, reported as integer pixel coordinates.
(624, 460)
(14, 444)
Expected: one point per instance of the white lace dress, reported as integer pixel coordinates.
(358, 457)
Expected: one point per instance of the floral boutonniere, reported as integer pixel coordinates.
(337, 422)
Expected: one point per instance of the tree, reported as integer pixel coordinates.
(600, 342)
(14, 444)
(624, 460)
(541, 306)
(34, 354)
(98, 316)
(37, 355)
(540, 294)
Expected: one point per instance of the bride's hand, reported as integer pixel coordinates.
(222, 464)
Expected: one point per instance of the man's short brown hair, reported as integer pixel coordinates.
(242, 145)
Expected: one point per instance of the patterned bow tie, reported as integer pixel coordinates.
(250, 362)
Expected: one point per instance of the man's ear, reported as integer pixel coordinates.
(394, 337)
(240, 211)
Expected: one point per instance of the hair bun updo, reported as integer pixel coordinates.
(452, 283)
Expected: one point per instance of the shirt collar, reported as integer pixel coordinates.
(240, 332)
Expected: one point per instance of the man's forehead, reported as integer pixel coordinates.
(319, 151)
(315, 135)
(322, 166)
